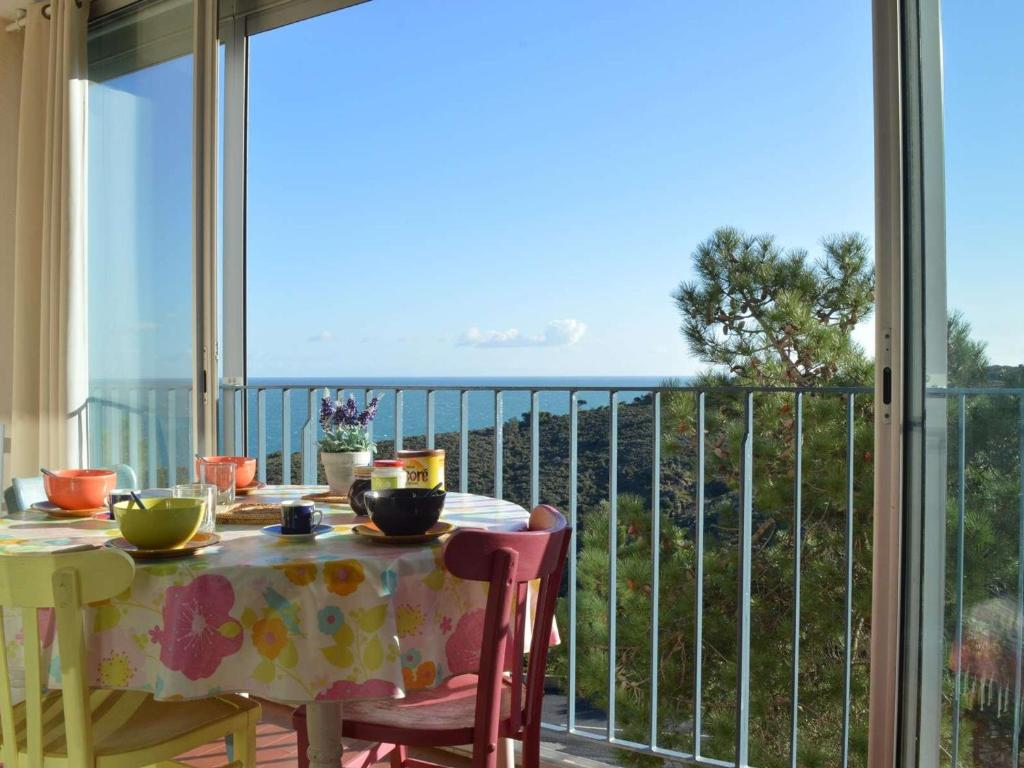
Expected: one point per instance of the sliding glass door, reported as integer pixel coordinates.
(140, 241)
(963, 475)
(983, 402)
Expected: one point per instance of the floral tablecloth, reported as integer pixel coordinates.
(337, 619)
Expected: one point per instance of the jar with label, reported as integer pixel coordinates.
(425, 468)
(359, 488)
(387, 473)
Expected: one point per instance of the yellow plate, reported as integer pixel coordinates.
(376, 535)
(190, 547)
(54, 511)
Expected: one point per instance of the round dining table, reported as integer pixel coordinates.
(315, 623)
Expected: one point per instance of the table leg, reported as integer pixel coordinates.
(323, 728)
(506, 754)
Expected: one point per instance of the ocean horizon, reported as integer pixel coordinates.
(171, 407)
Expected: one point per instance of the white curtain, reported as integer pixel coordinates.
(50, 354)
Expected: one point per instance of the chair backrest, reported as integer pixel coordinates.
(27, 491)
(65, 583)
(509, 561)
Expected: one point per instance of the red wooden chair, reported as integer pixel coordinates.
(478, 709)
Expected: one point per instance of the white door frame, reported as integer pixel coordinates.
(204, 225)
(910, 427)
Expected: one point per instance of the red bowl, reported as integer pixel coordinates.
(79, 488)
(245, 468)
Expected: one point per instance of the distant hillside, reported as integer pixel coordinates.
(634, 460)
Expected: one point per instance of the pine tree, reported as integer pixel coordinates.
(766, 318)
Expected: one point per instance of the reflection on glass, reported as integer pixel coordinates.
(140, 267)
(983, 68)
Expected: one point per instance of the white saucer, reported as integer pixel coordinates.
(275, 531)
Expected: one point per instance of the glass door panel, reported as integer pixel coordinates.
(140, 242)
(983, 67)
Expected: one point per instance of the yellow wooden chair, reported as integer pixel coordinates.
(79, 727)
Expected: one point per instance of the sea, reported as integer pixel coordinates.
(148, 422)
(481, 410)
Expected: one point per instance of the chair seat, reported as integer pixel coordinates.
(131, 721)
(451, 707)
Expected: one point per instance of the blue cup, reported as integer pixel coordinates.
(299, 516)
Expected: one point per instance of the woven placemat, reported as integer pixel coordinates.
(327, 497)
(249, 514)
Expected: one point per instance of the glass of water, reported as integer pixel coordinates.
(206, 493)
(220, 474)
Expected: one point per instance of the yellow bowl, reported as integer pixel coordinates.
(163, 524)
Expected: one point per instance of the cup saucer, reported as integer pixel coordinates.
(275, 531)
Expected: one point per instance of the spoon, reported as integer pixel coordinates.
(436, 490)
(200, 459)
(48, 473)
(137, 500)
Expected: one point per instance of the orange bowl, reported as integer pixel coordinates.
(245, 468)
(79, 488)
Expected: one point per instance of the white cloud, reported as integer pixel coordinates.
(322, 337)
(558, 333)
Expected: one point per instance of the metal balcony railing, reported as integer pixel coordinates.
(144, 424)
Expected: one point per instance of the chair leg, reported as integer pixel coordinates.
(244, 742)
(398, 756)
(530, 754)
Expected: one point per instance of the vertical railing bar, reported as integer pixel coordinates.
(309, 439)
(286, 437)
(655, 557)
(961, 485)
(744, 556)
(399, 407)
(798, 534)
(534, 449)
(698, 618)
(115, 423)
(464, 441)
(134, 429)
(848, 606)
(152, 472)
(1020, 588)
(172, 437)
(574, 419)
(499, 446)
(261, 434)
(430, 419)
(241, 407)
(613, 547)
(367, 397)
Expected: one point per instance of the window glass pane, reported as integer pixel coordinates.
(139, 246)
(983, 67)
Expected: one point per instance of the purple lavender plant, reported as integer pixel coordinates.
(344, 425)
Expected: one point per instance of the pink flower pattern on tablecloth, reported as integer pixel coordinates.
(199, 626)
(463, 647)
(198, 631)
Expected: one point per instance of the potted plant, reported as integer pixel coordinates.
(346, 441)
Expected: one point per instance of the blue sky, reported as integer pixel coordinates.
(515, 188)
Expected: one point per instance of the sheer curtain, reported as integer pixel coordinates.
(49, 366)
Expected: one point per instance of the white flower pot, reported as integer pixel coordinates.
(339, 468)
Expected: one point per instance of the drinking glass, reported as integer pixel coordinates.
(220, 474)
(205, 492)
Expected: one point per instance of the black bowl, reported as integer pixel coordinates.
(404, 511)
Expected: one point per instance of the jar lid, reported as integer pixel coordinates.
(363, 472)
(418, 454)
(389, 463)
